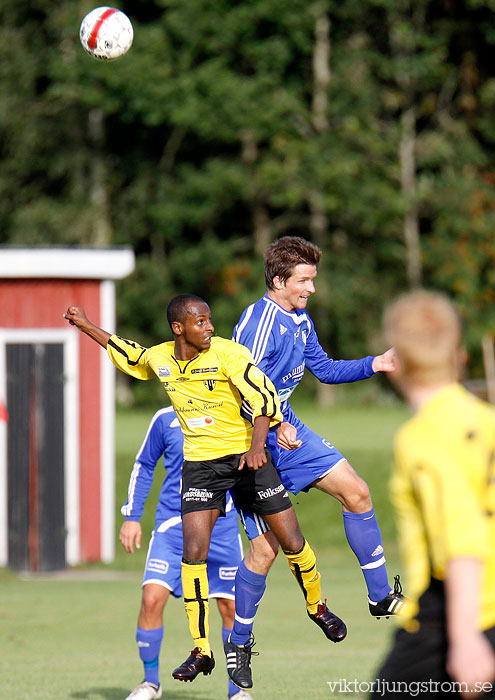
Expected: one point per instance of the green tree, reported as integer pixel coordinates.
(365, 125)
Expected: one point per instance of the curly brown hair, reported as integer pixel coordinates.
(284, 254)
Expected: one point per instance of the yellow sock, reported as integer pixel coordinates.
(303, 566)
(195, 589)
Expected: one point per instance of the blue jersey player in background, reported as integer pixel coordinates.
(282, 338)
(162, 575)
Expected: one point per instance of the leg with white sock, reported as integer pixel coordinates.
(363, 535)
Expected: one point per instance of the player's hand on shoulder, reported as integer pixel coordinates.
(385, 363)
(253, 458)
(287, 437)
(130, 535)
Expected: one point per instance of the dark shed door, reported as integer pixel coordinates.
(35, 434)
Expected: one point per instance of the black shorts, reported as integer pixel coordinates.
(415, 666)
(205, 484)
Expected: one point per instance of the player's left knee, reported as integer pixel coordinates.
(153, 601)
(358, 500)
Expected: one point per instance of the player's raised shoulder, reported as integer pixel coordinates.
(167, 346)
(230, 353)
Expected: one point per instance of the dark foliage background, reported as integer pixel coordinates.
(364, 125)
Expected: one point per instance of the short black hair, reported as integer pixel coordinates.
(178, 307)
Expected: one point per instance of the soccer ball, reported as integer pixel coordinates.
(106, 33)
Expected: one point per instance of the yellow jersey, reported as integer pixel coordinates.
(443, 490)
(206, 392)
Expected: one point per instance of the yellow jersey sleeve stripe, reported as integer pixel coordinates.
(268, 408)
(131, 363)
(271, 394)
(129, 357)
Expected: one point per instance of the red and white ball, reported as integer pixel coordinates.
(106, 33)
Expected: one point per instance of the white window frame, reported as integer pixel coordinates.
(107, 431)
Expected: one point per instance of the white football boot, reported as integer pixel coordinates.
(146, 691)
(241, 695)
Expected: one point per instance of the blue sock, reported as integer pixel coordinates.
(232, 686)
(249, 589)
(365, 540)
(149, 643)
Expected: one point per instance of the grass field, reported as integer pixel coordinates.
(71, 636)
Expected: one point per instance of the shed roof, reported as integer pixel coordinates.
(66, 263)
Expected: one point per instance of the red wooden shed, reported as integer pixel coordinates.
(57, 407)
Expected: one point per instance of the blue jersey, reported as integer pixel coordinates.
(283, 343)
(164, 437)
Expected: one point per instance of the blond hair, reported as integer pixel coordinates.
(425, 330)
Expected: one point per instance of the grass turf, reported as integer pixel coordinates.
(72, 636)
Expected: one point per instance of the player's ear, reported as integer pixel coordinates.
(177, 328)
(277, 283)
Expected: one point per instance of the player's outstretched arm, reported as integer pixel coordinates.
(130, 533)
(77, 317)
(386, 362)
